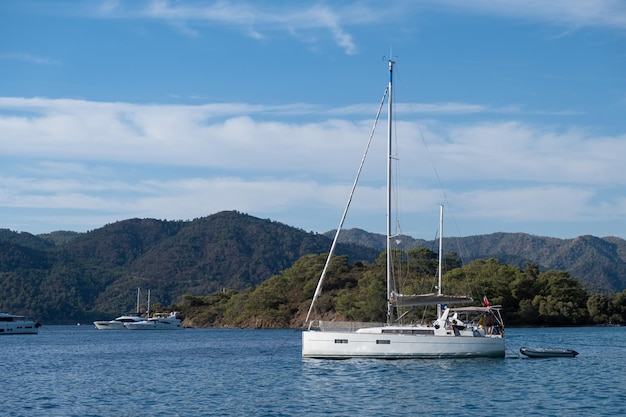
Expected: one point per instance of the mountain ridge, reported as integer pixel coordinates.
(599, 263)
(68, 276)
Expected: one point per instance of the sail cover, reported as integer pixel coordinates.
(402, 300)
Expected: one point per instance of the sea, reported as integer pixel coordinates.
(81, 371)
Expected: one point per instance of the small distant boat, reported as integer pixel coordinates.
(157, 322)
(120, 322)
(117, 323)
(12, 324)
(548, 352)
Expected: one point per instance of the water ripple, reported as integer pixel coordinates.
(71, 371)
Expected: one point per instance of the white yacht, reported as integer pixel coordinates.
(157, 322)
(116, 324)
(12, 324)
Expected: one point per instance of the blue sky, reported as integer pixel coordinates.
(511, 113)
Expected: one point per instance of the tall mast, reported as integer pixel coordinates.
(138, 293)
(389, 156)
(440, 256)
(345, 212)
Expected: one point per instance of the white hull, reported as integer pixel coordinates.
(19, 327)
(165, 323)
(117, 324)
(343, 345)
(10, 324)
(109, 325)
(152, 326)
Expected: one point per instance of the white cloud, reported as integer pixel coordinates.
(239, 137)
(311, 22)
(301, 20)
(30, 58)
(180, 162)
(541, 203)
(577, 13)
(512, 150)
(253, 19)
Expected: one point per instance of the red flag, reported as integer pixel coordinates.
(485, 301)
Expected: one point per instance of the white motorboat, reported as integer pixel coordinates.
(459, 332)
(118, 323)
(157, 322)
(12, 324)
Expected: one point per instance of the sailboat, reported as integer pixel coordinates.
(466, 332)
(158, 321)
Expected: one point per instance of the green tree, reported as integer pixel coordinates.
(562, 299)
(599, 308)
(618, 308)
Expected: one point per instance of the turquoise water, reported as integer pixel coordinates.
(80, 371)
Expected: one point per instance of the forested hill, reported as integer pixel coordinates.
(66, 277)
(598, 263)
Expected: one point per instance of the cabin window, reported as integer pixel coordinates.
(409, 331)
(383, 342)
(341, 340)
